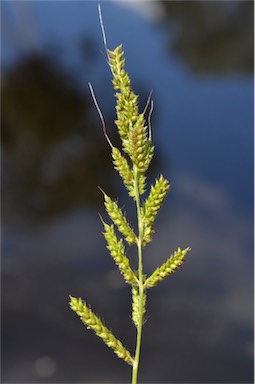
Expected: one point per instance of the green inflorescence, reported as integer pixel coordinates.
(131, 163)
(136, 304)
(171, 265)
(117, 251)
(119, 220)
(95, 323)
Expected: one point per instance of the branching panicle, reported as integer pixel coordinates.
(131, 163)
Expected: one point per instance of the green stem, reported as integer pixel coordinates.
(140, 278)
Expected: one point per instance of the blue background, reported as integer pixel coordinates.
(198, 59)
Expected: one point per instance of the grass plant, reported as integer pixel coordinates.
(131, 162)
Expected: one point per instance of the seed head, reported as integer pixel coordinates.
(93, 322)
(171, 265)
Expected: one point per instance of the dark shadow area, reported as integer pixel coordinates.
(52, 149)
(214, 37)
(54, 154)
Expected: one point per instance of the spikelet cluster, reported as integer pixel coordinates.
(141, 183)
(135, 304)
(126, 108)
(95, 323)
(171, 265)
(121, 165)
(131, 124)
(119, 220)
(152, 205)
(139, 146)
(117, 251)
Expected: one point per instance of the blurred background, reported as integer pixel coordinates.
(198, 59)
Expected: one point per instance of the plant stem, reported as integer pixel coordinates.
(140, 278)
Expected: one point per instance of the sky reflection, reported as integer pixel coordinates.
(200, 321)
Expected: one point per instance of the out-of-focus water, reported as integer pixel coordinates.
(198, 59)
